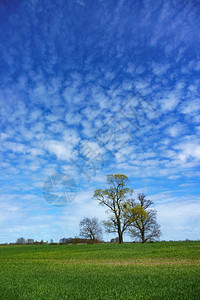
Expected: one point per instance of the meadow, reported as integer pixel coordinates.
(162, 270)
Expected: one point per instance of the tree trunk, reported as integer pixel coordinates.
(120, 237)
(143, 237)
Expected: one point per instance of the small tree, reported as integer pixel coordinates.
(114, 198)
(66, 240)
(20, 241)
(30, 241)
(90, 228)
(143, 223)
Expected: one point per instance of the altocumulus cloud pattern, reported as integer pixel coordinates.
(89, 88)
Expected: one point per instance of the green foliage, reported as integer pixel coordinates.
(114, 198)
(142, 219)
(135, 211)
(164, 270)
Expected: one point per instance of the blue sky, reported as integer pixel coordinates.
(90, 88)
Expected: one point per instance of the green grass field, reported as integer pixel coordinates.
(165, 270)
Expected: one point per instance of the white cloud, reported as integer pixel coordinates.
(91, 150)
(62, 150)
(169, 102)
(188, 150)
(3, 136)
(70, 136)
(176, 130)
(34, 115)
(160, 69)
(16, 147)
(191, 107)
(57, 127)
(52, 117)
(73, 118)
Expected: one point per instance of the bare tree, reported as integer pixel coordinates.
(90, 228)
(114, 198)
(21, 241)
(143, 224)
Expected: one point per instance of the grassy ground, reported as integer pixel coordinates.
(165, 270)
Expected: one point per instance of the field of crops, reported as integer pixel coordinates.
(165, 270)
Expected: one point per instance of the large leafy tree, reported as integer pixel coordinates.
(114, 198)
(143, 225)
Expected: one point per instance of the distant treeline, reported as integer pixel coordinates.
(77, 240)
(63, 241)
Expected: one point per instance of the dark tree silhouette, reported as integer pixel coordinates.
(90, 228)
